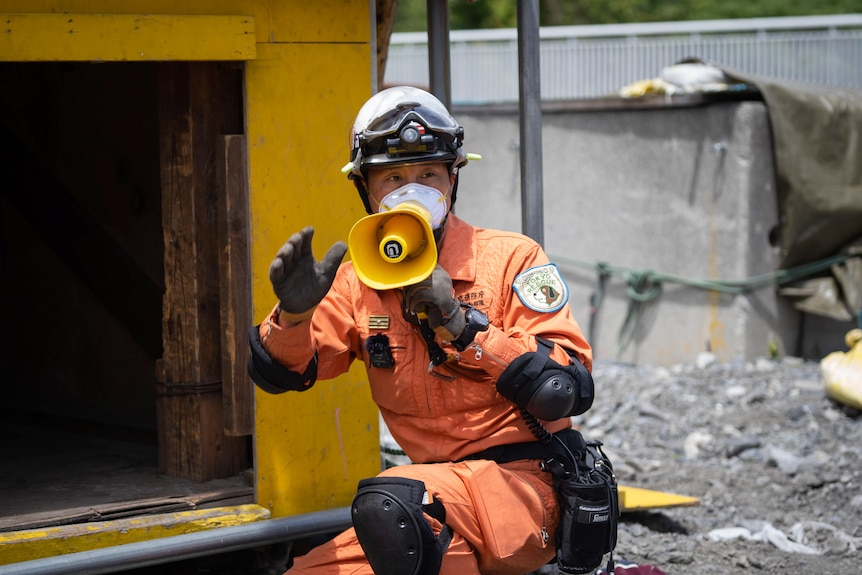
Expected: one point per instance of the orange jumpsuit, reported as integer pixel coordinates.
(503, 515)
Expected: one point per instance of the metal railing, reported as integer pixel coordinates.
(162, 550)
(591, 61)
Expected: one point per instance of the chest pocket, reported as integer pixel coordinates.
(386, 337)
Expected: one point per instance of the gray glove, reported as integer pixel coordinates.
(434, 298)
(300, 282)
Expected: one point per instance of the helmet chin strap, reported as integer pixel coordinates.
(454, 190)
(363, 193)
(440, 232)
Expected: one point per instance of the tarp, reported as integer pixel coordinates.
(817, 143)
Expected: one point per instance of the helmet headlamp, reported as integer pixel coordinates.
(411, 139)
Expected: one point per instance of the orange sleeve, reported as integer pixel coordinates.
(330, 331)
(521, 324)
(289, 345)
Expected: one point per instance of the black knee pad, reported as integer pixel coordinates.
(392, 530)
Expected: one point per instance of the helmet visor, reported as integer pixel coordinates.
(384, 112)
(391, 120)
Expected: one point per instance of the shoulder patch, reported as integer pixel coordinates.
(542, 288)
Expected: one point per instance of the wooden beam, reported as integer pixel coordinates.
(125, 509)
(197, 103)
(386, 11)
(235, 284)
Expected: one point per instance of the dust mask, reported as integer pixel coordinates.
(429, 198)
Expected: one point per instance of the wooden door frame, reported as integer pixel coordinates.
(204, 398)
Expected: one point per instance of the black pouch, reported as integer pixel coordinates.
(589, 508)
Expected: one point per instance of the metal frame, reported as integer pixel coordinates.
(530, 99)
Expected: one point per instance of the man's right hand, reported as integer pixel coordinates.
(435, 297)
(300, 282)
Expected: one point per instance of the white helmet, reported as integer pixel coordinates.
(403, 125)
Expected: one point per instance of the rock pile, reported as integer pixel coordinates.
(776, 464)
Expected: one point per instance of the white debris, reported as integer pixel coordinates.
(768, 534)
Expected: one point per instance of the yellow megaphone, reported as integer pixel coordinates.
(395, 248)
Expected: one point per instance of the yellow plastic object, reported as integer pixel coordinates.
(30, 544)
(647, 87)
(637, 499)
(395, 248)
(842, 372)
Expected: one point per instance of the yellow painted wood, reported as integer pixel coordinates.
(125, 37)
(275, 20)
(26, 545)
(311, 448)
(321, 21)
(637, 499)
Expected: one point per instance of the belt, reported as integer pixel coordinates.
(568, 441)
(515, 452)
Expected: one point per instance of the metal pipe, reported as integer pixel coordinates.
(530, 106)
(188, 546)
(438, 50)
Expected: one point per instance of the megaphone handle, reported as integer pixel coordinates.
(435, 352)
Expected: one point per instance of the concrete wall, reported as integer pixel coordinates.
(686, 191)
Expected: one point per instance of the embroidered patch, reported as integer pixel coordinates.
(378, 322)
(542, 288)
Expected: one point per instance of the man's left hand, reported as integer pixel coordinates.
(434, 297)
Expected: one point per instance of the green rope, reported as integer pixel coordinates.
(643, 286)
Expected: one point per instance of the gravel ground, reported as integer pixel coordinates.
(776, 466)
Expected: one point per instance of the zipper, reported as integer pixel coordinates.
(544, 530)
(480, 353)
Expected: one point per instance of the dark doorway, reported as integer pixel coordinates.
(82, 261)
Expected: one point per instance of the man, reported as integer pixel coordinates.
(473, 368)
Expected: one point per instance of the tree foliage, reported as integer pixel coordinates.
(467, 15)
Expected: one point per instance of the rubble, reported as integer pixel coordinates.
(776, 464)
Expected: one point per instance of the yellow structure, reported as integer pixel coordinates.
(307, 67)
